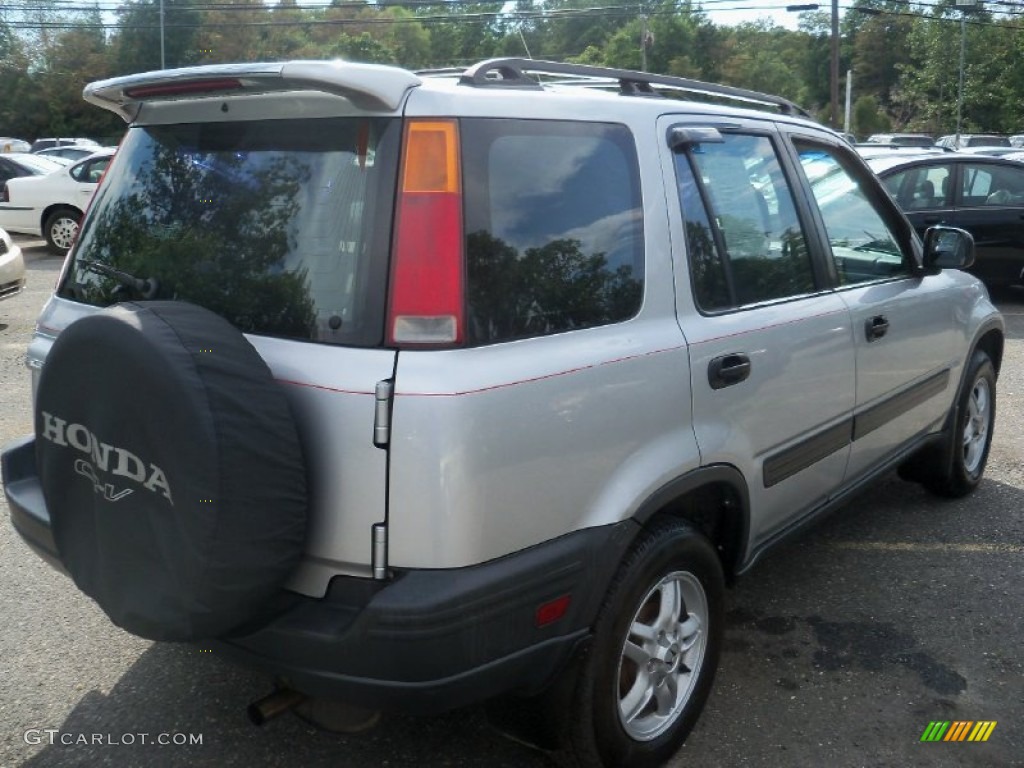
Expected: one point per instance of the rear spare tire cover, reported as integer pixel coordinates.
(171, 468)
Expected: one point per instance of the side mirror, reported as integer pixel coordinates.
(947, 248)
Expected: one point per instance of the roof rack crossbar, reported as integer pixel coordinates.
(513, 73)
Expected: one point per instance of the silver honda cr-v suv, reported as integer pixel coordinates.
(418, 390)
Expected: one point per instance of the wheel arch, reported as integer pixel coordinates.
(991, 341)
(716, 501)
(51, 209)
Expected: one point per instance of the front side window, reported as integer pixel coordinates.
(744, 240)
(279, 226)
(863, 240)
(554, 227)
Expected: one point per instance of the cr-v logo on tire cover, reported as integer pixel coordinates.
(106, 490)
(125, 464)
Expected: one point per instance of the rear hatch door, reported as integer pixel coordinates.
(271, 207)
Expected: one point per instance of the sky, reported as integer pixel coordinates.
(724, 12)
(730, 12)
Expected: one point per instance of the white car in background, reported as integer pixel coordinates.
(69, 153)
(52, 205)
(12, 267)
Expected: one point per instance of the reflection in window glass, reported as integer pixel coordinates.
(987, 185)
(751, 248)
(554, 227)
(863, 246)
(922, 187)
(270, 224)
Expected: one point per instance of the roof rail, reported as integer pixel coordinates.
(439, 71)
(516, 73)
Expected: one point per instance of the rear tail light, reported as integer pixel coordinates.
(427, 286)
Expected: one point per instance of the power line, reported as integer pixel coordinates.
(619, 11)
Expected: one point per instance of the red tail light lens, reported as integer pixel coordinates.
(426, 302)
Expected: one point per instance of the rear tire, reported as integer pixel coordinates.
(61, 229)
(643, 682)
(967, 447)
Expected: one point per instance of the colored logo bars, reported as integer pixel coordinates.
(958, 730)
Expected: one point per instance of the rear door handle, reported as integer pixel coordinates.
(727, 370)
(876, 327)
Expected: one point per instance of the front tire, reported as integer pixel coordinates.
(61, 229)
(971, 434)
(656, 645)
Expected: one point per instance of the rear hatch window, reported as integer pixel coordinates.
(280, 226)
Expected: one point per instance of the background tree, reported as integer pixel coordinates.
(904, 57)
(868, 117)
(880, 50)
(137, 47)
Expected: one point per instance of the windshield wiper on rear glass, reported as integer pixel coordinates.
(146, 287)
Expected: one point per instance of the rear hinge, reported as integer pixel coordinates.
(380, 551)
(382, 413)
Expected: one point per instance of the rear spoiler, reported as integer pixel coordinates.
(369, 86)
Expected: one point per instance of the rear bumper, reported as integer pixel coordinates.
(421, 641)
(25, 499)
(431, 640)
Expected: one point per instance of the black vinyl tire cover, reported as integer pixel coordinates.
(171, 468)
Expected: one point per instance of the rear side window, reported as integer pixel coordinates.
(554, 227)
(90, 171)
(992, 185)
(280, 226)
(744, 239)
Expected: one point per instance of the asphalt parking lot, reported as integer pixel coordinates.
(841, 647)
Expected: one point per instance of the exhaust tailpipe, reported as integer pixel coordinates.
(273, 704)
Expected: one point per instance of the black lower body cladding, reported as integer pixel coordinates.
(171, 469)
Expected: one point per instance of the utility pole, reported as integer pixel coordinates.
(960, 87)
(645, 36)
(163, 63)
(834, 73)
(849, 92)
(963, 6)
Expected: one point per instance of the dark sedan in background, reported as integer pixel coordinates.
(984, 195)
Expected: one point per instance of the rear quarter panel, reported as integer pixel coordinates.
(501, 447)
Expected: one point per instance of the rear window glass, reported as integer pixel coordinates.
(280, 226)
(39, 166)
(554, 227)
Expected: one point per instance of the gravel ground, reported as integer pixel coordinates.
(841, 646)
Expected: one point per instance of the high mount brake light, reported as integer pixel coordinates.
(427, 285)
(181, 89)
